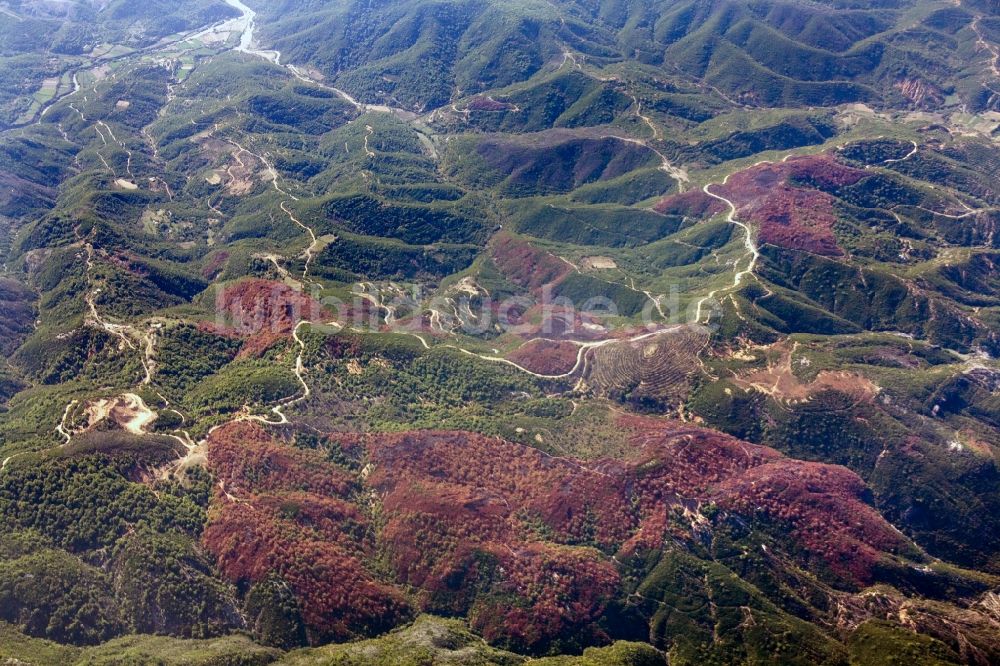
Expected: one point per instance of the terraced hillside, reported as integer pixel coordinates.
(454, 331)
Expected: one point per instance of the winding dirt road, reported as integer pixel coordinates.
(749, 243)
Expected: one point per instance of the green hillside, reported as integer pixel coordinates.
(589, 332)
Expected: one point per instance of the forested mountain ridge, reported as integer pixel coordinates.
(454, 331)
(423, 54)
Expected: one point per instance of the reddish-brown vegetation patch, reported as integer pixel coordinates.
(447, 494)
(546, 357)
(823, 506)
(214, 264)
(519, 541)
(577, 504)
(611, 503)
(464, 514)
(485, 103)
(262, 311)
(694, 204)
(821, 171)
(525, 265)
(246, 458)
(548, 320)
(796, 219)
(255, 305)
(338, 597)
(675, 461)
(282, 513)
(772, 196)
(549, 591)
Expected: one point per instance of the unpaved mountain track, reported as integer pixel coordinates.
(749, 244)
(581, 355)
(299, 370)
